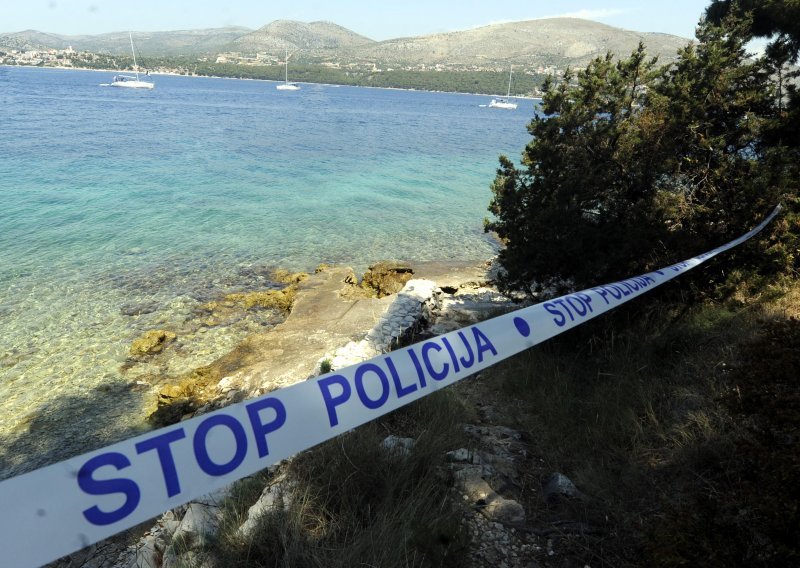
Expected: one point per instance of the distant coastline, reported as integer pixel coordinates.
(474, 61)
(177, 74)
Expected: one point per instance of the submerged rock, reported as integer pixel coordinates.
(286, 277)
(278, 299)
(151, 342)
(138, 309)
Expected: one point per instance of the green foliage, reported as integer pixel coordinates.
(776, 19)
(486, 82)
(728, 166)
(779, 21)
(633, 167)
(716, 105)
(582, 207)
(482, 82)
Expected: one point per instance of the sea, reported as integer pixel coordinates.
(123, 210)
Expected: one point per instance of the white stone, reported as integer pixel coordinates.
(399, 445)
(199, 522)
(147, 554)
(461, 455)
(272, 497)
(225, 384)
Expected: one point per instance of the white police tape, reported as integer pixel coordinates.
(61, 508)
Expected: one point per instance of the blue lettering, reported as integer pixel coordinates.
(620, 290)
(426, 347)
(331, 402)
(561, 303)
(453, 357)
(201, 451)
(362, 393)
(559, 320)
(586, 299)
(420, 373)
(400, 388)
(161, 445)
(602, 293)
(580, 309)
(94, 486)
(483, 343)
(467, 364)
(260, 429)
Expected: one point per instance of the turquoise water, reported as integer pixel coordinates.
(121, 211)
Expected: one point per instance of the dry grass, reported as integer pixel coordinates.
(644, 412)
(353, 504)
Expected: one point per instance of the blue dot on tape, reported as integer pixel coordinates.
(522, 327)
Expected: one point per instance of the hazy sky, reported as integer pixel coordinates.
(376, 19)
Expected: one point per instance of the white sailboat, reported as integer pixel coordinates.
(132, 81)
(505, 102)
(286, 85)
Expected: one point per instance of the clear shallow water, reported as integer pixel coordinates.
(112, 198)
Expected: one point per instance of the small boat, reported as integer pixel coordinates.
(286, 85)
(505, 102)
(132, 81)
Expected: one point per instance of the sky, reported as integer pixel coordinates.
(375, 19)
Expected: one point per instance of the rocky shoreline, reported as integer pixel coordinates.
(334, 321)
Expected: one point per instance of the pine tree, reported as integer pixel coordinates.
(581, 206)
(632, 167)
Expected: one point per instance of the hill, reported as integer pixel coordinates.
(554, 41)
(557, 41)
(181, 42)
(285, 34)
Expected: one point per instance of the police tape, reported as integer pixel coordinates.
(53, 511)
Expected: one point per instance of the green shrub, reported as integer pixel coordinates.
(632, 168)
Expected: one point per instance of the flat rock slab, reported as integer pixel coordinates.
(321, 321)
(325, 316)
(319, 304)
(453, 274)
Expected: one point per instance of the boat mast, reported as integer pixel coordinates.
(286, 67)
(509, 81)
(133, 51)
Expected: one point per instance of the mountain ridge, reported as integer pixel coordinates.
(552, 41)
(176, 42)
(531, 42)
(289, 34)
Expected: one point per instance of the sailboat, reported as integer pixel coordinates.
(504, 102)
(286, 85)
(132, 81)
